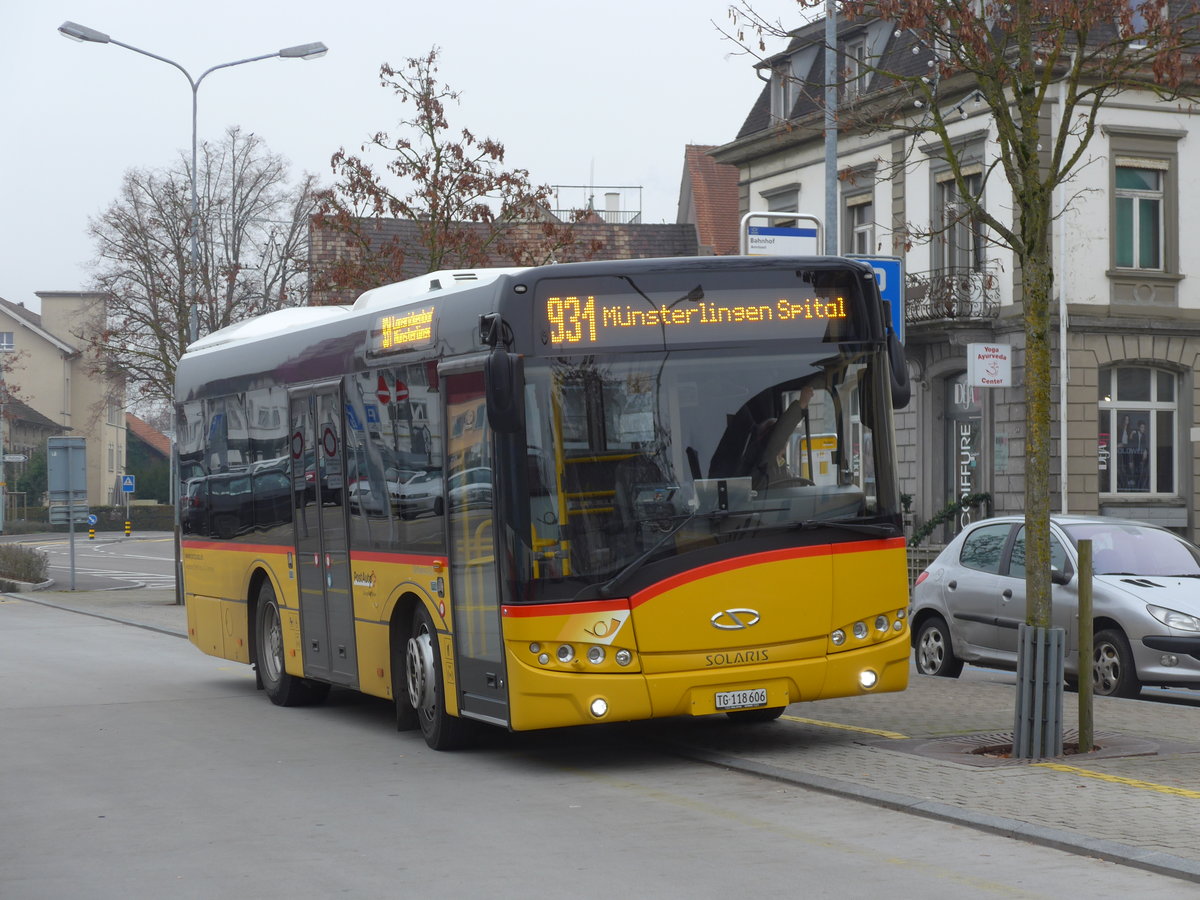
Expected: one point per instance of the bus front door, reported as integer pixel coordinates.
(474, 579)
(322, 558)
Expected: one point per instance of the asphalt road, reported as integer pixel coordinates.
(110, 562)
(134, 766)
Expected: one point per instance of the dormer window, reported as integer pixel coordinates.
(783, 91)
(856, 72)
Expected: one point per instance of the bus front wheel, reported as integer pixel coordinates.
(282, 689)
(426, 690)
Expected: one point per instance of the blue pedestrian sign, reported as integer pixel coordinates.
(127, 484)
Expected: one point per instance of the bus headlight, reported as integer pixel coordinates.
(595, 655)
(624, 657)
(881, 623)
(566, 653)
(860, 630)
(838, 638)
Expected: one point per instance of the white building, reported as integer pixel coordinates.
(1132, 316)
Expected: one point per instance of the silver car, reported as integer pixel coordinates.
(967, 604)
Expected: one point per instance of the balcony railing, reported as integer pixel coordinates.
(952, 294)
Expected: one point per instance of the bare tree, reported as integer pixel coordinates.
(252, 228)
(466, 207)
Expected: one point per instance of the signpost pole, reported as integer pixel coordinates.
(71, 513)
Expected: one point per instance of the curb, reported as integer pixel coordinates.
(1058, 839)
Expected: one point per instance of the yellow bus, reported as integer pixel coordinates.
(554, 496)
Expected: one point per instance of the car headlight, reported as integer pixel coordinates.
(1173, 618)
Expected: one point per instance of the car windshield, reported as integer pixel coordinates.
(1123, 548)
(657, 454)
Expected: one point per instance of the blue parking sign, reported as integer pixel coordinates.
(889, 275)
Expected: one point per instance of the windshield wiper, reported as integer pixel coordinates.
(848, 525)
(606, 588)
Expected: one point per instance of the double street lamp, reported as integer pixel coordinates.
(314, 50)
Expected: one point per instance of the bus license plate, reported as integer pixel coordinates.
(741, 699)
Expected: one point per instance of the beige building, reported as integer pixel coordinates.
(49, 366)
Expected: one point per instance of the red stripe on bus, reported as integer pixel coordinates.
(564, 609)
(411, 559)
(741, 562)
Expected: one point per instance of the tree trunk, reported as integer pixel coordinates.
(1038, 284)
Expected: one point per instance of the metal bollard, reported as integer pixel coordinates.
(91, 534)
(128, 527)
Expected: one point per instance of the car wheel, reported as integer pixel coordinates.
(935, 655)
(1113, 672)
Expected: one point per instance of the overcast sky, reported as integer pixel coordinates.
(579, 92)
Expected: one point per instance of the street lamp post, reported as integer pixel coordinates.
(314, 50)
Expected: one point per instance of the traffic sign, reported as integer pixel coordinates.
(401, 391)
(763, 240)
(383, 392)
(127, 484)
(92, 520)
(889, 275)
(15, 457)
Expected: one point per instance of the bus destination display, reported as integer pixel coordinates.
(401, 331)
(584, 319)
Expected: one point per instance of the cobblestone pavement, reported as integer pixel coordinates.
(1134, 800)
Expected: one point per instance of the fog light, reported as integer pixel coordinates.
(867, 679)
(881, 623)
(897, 625)
(860, 630)
(544, 658)
(595, 655)
(624, 657)
(1170, 659)
(599, 707)
(535, 648)
(902, 614)
(838, 638)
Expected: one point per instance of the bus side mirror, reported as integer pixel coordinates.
(502, 378)
(898, 372)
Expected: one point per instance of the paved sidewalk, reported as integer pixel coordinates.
(1135, 800)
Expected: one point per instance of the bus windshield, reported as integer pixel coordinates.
(642, 456)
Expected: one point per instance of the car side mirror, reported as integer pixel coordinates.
(1058, 576)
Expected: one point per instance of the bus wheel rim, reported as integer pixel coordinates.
(420, 671)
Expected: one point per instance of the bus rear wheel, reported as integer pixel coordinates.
(282, 689)
(426, 690)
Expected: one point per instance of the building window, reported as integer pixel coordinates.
(860, 224)
(112, 458)
(1138, 229)
(1137, 434)
(857, 72)
(783, 91)
(6, 341)
(960, 233)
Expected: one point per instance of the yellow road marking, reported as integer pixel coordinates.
(1117, 779)
(818, 722)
